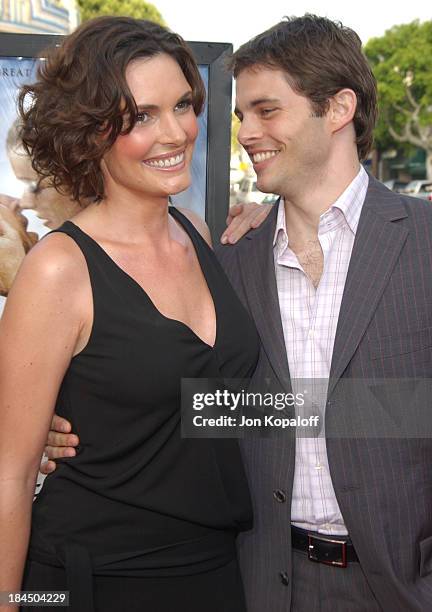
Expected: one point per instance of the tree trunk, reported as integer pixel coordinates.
(375, 163)
(429, 164)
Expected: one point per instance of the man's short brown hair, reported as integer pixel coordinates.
(319, 57)
(81, 101)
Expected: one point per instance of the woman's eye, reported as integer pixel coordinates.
(142, 118)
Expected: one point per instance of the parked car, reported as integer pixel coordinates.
(426, 192)
(396, 185)
(270, 198)
(419, 189)
(248, 192)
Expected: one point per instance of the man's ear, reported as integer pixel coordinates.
(342, 107)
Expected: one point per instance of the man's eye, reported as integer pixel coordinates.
(267, 111)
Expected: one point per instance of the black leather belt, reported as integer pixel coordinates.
(331, 550)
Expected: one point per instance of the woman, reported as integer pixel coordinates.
(126, 299)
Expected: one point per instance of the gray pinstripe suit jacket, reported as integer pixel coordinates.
(383, 486)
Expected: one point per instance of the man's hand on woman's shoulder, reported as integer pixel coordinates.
(242, 218)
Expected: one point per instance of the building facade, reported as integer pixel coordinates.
(38, 16)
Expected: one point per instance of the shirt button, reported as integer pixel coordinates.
(279, 495)
(311, 333)
(318, 466)
(284, 578)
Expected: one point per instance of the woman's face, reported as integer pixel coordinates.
(154, 158)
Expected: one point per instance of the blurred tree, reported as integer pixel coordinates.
(130, 8)
(235, 125)
(401, 61)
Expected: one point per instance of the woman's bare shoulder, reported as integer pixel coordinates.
(55, 255)
(199, 224)
(55, 265)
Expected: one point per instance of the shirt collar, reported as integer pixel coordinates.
(280, 229)
(350, 203)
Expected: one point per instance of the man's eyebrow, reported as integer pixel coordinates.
(263, 101)
(143, 106)
(257, 102)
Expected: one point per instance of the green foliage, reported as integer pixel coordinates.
(130, 8)
(402, 63)
(235, 125)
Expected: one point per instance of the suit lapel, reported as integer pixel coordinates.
(377, 246)
(378, 243)
(257, 268)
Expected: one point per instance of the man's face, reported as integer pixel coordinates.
(287, 144)
(21, 164)
(49, 205)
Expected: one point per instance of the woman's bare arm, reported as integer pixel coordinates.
(43, 323)
(199, 224)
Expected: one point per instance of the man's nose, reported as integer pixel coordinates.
(249, 131)
(28, 198)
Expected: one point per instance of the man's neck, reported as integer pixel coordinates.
(302, 217)
(304, 208)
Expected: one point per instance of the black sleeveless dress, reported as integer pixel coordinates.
(143, 519)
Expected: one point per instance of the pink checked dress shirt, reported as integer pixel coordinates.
(309, 321)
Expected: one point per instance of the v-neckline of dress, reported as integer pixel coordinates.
(179, 217)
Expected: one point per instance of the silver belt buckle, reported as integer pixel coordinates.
(314, 556)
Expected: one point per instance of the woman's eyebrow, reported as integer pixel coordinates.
(143, 106)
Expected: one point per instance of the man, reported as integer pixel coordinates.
(51, 207)
(338, 282)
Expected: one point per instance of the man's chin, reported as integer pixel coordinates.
(265, 187)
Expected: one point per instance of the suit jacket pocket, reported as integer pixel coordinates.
(400, 344)
(425, 556)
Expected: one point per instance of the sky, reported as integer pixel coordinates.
(236, 21)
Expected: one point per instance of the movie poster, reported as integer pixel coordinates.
(29, 211)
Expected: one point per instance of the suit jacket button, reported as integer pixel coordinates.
(279, 495)
(284, 578)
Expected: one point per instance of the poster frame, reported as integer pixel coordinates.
(211, 55)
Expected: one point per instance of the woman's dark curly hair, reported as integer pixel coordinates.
(81, 102)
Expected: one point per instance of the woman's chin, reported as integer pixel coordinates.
(178, 188)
